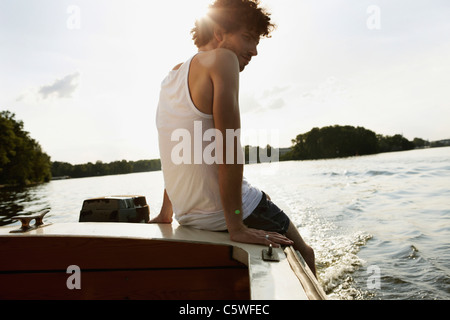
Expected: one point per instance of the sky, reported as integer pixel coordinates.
(84, 75)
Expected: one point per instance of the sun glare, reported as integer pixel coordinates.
(199, 8)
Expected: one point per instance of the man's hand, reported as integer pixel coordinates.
(166, 213)
(161, 219)
(254, 236)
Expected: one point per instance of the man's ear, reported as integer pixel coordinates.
(219, 34)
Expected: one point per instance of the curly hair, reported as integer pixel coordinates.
(232, 15)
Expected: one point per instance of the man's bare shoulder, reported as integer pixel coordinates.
(219, 59)
(178, 66)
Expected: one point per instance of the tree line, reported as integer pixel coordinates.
(346, 141)
(64, 169)
(22, 160)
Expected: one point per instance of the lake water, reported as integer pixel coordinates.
(380, 225)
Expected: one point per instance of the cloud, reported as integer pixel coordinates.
(248, 103)
(61, 88)
(270, 99)
(277, 104)
(275, 91)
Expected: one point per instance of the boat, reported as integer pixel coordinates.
(140, 261)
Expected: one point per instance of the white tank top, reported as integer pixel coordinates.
(191, 183)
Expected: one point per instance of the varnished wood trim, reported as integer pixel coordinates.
(307, 279)
(57, 253)
(191, 284)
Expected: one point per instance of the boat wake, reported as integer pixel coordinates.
(335, 249)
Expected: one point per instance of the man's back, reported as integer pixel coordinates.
(204, 67)
(187, 137)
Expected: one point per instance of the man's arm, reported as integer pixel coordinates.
(225, 78)
(166, 213)
(226, 115)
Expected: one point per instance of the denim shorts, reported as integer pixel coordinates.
(268, 217)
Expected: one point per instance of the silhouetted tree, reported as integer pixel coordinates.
(343, 141)
(22, 160)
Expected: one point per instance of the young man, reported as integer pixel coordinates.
(199, 105)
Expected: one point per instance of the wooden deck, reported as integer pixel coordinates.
(143, 261)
